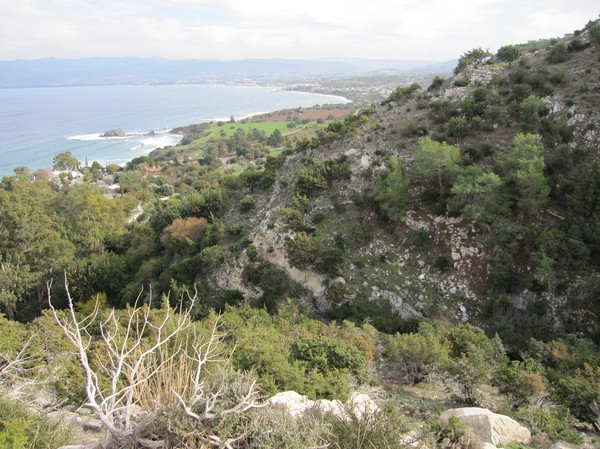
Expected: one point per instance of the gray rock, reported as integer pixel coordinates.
(86, 446)
(490, 427)
(560, 445)
(92, 424)
(62, 416)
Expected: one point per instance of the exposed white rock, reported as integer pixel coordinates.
(359, 404)
(365, 161)
(335, 407)
(294, 403)
(362, 405)
(490, 427)
(488, 446)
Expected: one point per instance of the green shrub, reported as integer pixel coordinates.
(418, 355)
(301, 203)
(558, 53)
(441, 111)
(436, 84)
(461, 81)
(274, 283)
(401, 93)
(247, 203)
(23, 429)
(383, 430)
(577, 44)
(556, 423)
(310, 181)
(457, 127)
(509, 53)
(302, 250)
(531, 109)
(523, 381)
(419, 238)
(442, 263)
(455, 434)
(473, 359)
(413, 129)
(326, 355)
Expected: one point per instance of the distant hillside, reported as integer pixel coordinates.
(102, 71)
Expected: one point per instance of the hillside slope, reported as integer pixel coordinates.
(527, 266)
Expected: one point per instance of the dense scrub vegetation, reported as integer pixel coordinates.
(448, 236)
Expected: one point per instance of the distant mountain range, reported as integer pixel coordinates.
(105, 71)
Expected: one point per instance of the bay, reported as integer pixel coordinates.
(38, 123)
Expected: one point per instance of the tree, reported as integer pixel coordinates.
(90, 217)
(524, 169)
(479, 195)
(65, 161)
(474, 358)
(436, 161)
(509, 53)
(24, 170)
(436, 84)
(391, 190)
(472, 58)
(275, 139)
(32, 244)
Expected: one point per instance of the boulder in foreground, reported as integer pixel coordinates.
(490, 427)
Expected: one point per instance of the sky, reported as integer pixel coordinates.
(296, 29)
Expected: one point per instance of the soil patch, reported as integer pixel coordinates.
(302, 114)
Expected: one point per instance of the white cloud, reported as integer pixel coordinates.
(232, 29)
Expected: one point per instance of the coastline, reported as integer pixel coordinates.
(46, 130)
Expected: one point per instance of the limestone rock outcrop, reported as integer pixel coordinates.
(297, 405)
(490, 427)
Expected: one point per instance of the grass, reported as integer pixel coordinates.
(225, 130)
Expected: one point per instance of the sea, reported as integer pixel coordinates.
(36, 124)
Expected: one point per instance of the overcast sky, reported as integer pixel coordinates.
(303, 29)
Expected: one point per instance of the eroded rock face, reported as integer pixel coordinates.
(490, 427)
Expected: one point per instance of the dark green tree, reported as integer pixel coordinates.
(471, 58)
(509, 53)
(275, 139)
(479, 195)
(436, 161)
(524, 169)
(33, 245)
(65, 161)
(391, 190)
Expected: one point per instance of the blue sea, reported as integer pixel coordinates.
(38, 123)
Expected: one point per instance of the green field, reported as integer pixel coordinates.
(268, 127)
